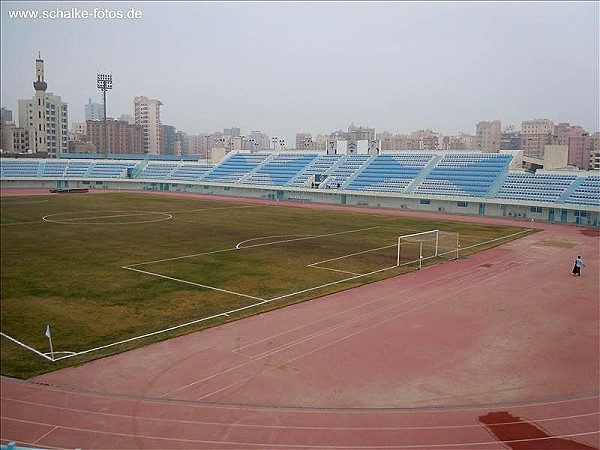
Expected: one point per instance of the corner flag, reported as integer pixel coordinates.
(47, 333)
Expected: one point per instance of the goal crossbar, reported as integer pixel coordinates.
(429, 244)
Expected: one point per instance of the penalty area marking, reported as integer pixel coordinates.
(226, 314)
(247, 247)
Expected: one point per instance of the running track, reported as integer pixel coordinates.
(500, 350)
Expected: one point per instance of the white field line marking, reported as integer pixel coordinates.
(319, 333)
(351, 254)
(239, 245)
(195, 284)
(455, 280)
(283, 427)
(527, 230)
(179, 257)
(154, 333)
(316, 236)
(332, 283)
(250, 246)
(351, 278)
(25, 346)
(368, 314)
(226, 313)
(444, 295)
(400, 292)
(334, 270)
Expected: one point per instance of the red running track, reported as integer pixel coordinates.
(500, 350)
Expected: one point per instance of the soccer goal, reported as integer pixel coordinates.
(419, 247)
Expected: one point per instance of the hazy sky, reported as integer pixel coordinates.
(287, 67)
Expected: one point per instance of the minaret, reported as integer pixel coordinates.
(39, 107)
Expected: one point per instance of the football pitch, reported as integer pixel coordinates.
(114, 271)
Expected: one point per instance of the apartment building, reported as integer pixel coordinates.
(51, 135)
(305, 142)
(93, 111)
(510, 139)
(147, 115)
(123, 137)
(535, 135)
(489, 136)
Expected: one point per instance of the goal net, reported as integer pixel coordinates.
(427, 245)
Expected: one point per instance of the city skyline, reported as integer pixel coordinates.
(317, 67)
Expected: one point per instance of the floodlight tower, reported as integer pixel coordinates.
(105, 84)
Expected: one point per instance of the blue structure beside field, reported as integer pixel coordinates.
(484, 184)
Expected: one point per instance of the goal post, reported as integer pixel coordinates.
(419, 247)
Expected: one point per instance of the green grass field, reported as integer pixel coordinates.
(102, 268)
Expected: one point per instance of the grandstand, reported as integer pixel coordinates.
(236, 167)
(279, 170)
(456, 182)
(391, 173)
(535, 187)
(465, 174)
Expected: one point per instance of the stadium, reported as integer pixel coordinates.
(299, 300)
(473, 183)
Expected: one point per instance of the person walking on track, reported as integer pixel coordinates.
(577, 267)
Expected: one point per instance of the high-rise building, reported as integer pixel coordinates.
(167, 141)
(182, 138)
(196, 145)
(232, 132)
(535, 135)
(353, 134)
(123, 137)
(578, 141)
(6, 115)
(423, 140)
(594, 151)
(489, 136)
(510, 139)
(16, 139)
(47, 116)
(360, 133)
(94, 111)
(6, 126)
(257, 141)
(304, 142)
(147, 114)
(56, 123)
(126, 118)
(78, 131)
